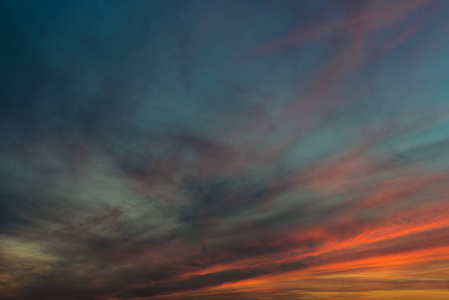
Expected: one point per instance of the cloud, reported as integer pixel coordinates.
(142, 157)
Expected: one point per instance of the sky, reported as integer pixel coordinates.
(218, 150)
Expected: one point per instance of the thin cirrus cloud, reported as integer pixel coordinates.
(224, 150)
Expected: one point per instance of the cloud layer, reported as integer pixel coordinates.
(224, 150)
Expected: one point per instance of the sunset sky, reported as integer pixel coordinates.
(224, 149)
